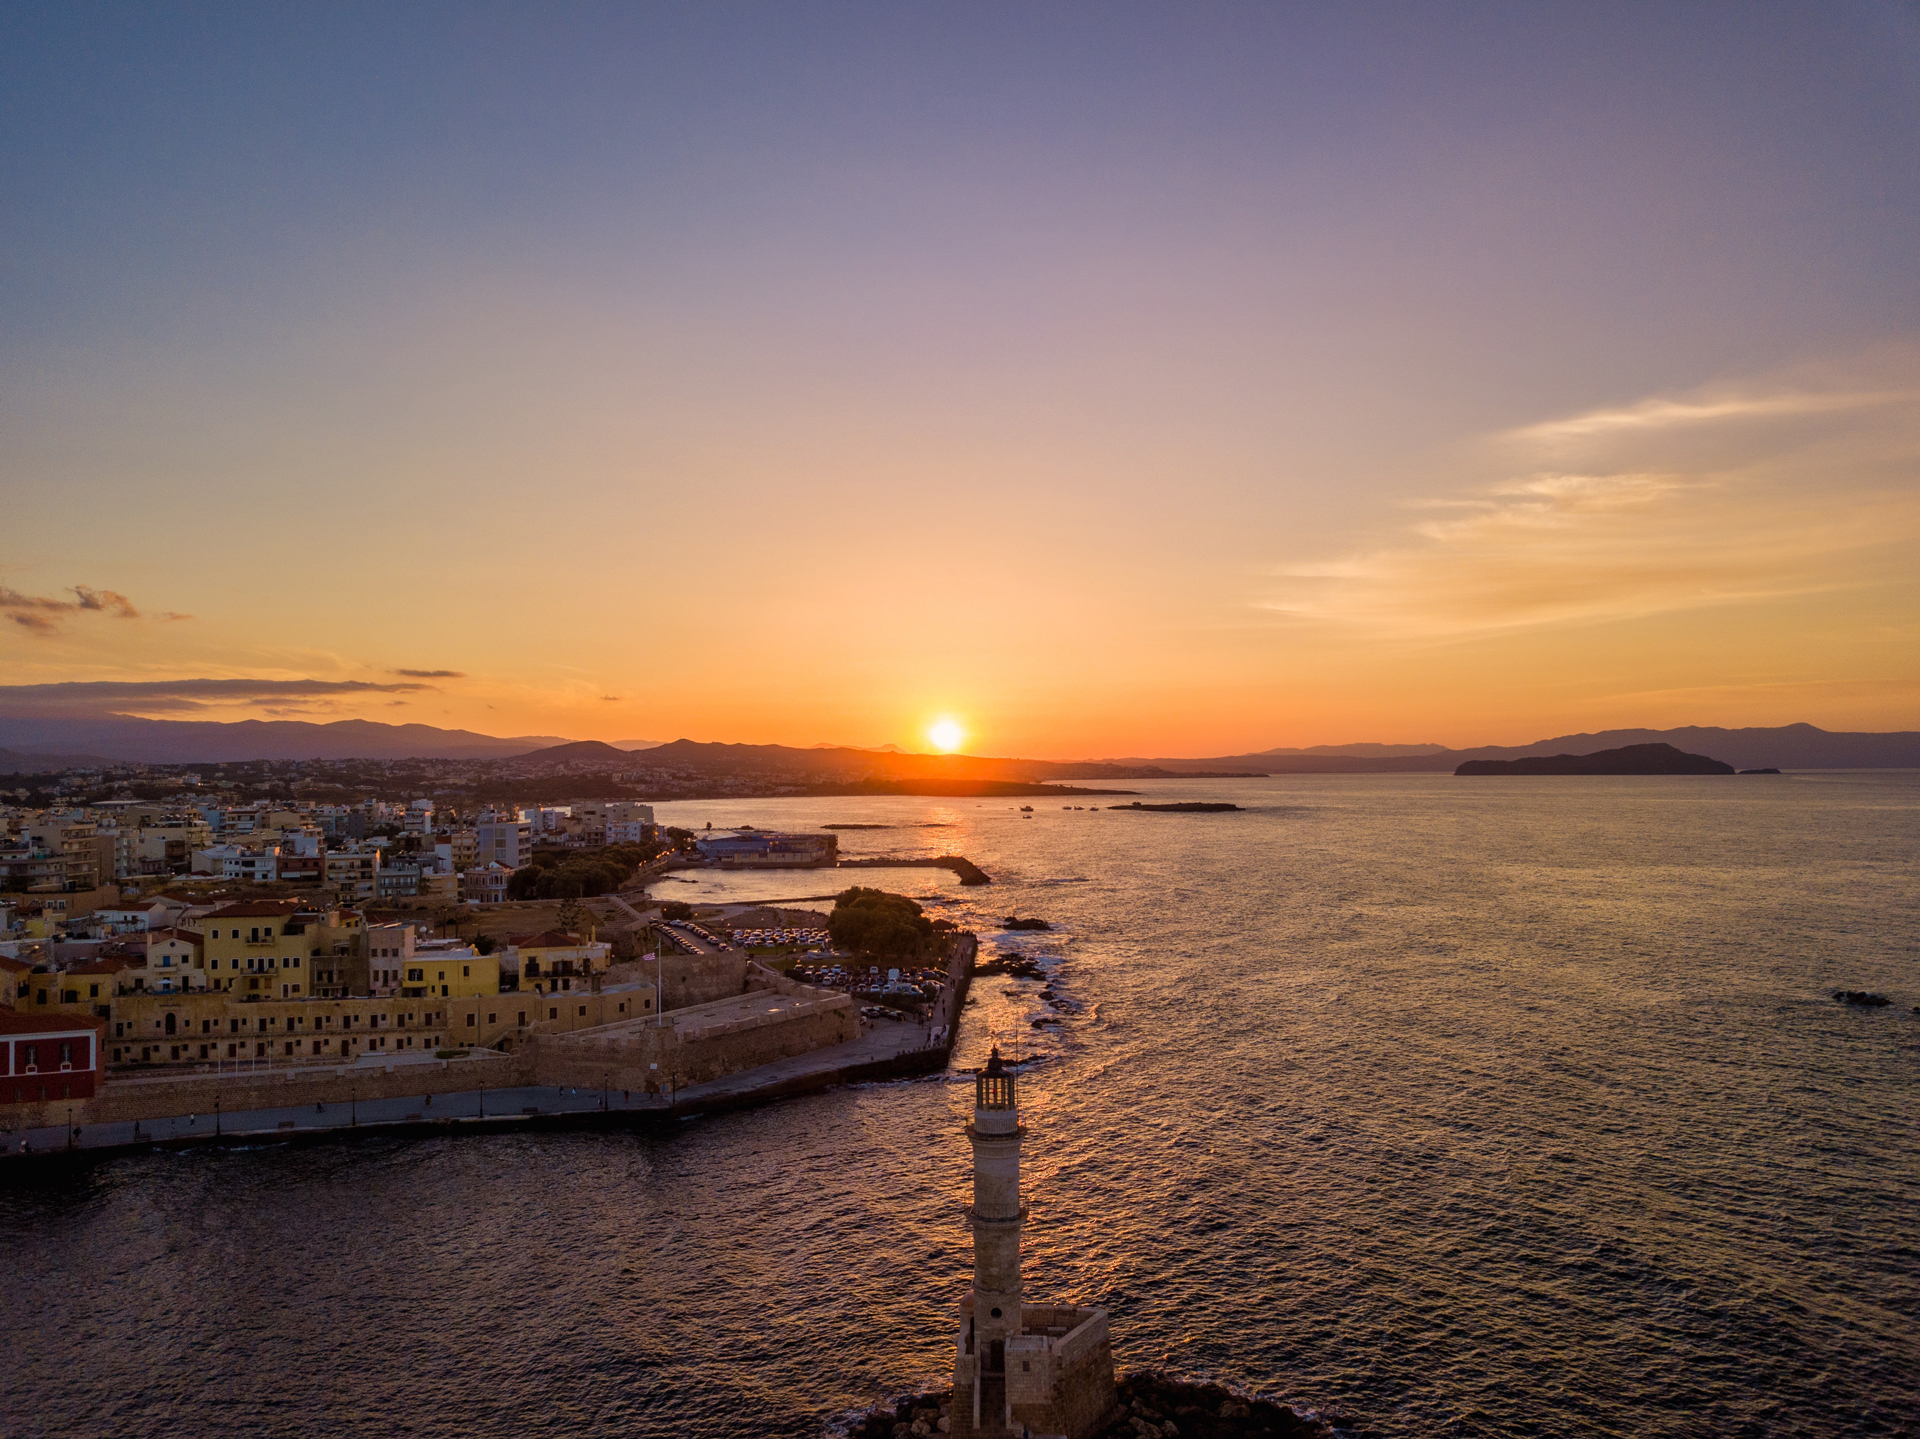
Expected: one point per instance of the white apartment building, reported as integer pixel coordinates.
(504, 841)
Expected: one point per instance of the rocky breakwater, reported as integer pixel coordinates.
(1152, 1406)
(969, 872)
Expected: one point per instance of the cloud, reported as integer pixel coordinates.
(611, 699)
(431, 674)
(1672, 504)
(104, 601)
(171, 617)
(41, 615)
(101, 697)
(1657, 413)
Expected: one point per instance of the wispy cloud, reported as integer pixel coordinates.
(97, 697)
(431, 674)
(1655, 414)
(41, 614)
(1652, 520)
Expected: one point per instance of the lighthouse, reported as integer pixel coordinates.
(1019, 1368)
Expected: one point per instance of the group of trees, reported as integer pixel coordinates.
(557, 874)
(874, 923)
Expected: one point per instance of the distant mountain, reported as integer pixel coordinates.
(588, 756)
(631, 744)
(1795, 746)
(1363, 751)
(211, 741)
(108, 738)
(1633, 759)
(13, 762)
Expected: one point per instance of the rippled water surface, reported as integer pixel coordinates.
(1509, 1106)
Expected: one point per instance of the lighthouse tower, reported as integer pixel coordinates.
(996, 1211)
(1018, 1368)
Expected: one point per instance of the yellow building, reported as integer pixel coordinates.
(453, 973)
(15, 982)
(263, 947)
(555, 962)
(216, 1027)
(90, 988)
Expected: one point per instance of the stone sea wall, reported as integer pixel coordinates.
(121, 1101)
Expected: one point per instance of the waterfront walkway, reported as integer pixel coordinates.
(884, 1049)
(484, 1109)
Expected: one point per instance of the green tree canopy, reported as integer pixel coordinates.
(879, 925)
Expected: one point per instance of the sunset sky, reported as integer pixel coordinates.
(1110, 379)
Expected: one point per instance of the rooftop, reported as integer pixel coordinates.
(15, 1023)
(258, 909)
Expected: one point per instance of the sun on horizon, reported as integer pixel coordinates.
(946, 735)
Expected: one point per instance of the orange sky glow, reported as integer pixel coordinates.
(1200, 411)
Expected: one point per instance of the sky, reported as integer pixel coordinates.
(1105, 379)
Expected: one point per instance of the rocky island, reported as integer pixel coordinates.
(1185, 807)
(1630, 760)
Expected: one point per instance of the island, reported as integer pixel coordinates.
(1185, 807)
(1633, 759)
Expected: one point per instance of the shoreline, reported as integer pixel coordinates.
(856, 1062)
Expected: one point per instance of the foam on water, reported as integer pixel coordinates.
(1509, 1106)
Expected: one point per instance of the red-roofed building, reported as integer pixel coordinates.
(552, 961)
(46, 1057)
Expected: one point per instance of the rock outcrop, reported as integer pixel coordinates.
(1151, 1406)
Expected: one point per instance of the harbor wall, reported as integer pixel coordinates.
(121, 1101)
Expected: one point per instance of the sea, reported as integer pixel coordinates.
(1505, 1106)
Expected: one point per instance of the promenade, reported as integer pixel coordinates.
(885, 1049)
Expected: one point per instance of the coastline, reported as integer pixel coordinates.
(546, 1107)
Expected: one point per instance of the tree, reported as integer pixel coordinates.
(879, 925)
(675, 909)
(571, 917)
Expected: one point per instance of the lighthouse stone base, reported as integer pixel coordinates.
(1056, 1380)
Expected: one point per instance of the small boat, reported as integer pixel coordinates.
(1026, 809)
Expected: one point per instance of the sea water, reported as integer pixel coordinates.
(1492, 1106)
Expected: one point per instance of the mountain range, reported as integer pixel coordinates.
(38, 743)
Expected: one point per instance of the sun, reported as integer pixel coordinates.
(946, 735)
